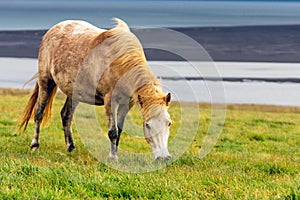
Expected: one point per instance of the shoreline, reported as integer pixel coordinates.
(262, 43)
(240, 72)
(253, 92)
(231, 106)
(233, 79)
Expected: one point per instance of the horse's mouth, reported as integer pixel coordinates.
(166, 158)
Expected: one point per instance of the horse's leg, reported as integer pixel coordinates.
(67, 116)
(122, 112)
(45, 91)
(111, 109)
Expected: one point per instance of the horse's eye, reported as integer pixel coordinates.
(148, 126)
(170, 123)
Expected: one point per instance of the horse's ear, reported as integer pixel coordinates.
(168, 98)
(140, 100)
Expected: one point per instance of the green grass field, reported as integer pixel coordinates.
(257, 156)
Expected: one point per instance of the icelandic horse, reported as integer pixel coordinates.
(98, 67)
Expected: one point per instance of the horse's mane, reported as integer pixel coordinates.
(121, 24)
(151, 100)
(126, 55)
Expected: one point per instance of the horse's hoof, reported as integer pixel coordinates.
(70, 148)
(113, 158)
(34, 146)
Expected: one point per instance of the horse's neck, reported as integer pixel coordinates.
(139, 80)
(146, 84)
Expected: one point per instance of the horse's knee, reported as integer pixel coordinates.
(64, 121)
(66, 113)
(66, 117)
(113, 134)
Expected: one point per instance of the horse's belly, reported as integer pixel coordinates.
(80, 89)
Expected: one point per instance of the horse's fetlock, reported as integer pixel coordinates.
(34, 145)
(70, 147)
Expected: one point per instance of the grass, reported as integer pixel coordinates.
(257, 156)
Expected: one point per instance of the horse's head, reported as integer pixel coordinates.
(157, 124)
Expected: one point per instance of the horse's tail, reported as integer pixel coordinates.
(28, 111)
(31, 79)
(48, 108)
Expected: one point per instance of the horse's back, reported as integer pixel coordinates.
(63, 49)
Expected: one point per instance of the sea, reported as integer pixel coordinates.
(35, 14)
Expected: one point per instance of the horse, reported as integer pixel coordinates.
(103, 68)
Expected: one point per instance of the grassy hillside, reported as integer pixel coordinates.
(256, 157)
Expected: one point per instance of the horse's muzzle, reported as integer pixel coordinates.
(168, 157)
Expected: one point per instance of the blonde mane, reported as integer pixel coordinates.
(119, 47)
(152, 99)
(127, 56)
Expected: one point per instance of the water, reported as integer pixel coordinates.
(44, 14)
(257, 92)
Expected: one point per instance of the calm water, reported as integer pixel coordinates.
(43, 14)
(195, 91)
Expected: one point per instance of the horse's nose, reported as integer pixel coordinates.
(168, 157)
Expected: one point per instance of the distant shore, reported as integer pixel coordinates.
(242, 44)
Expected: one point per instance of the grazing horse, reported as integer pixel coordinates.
(98, 67)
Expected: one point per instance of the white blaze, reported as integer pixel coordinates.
(157, 133)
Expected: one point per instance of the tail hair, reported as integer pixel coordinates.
(28, 112)
(29, 80)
